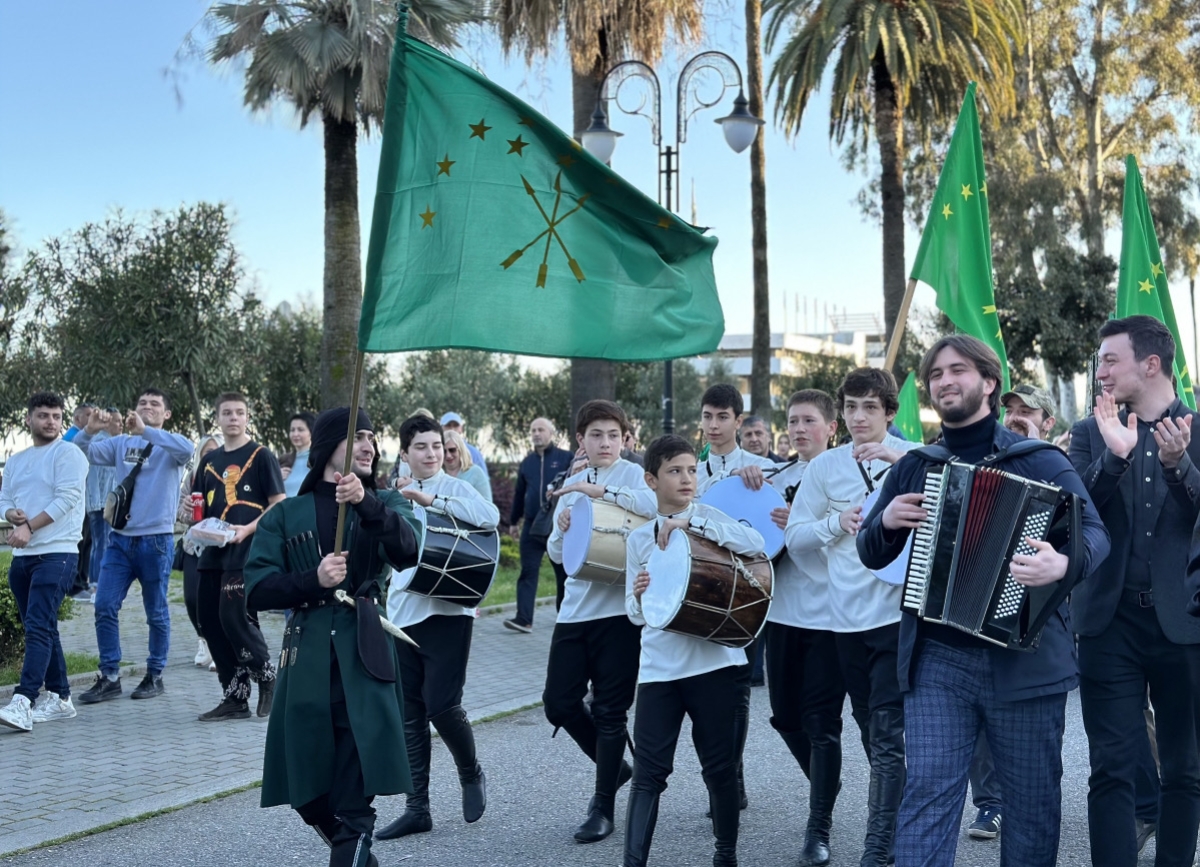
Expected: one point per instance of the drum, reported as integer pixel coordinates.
(753, 508)
(594, 544)
(457, 561)
(894, 572)
(700, 589)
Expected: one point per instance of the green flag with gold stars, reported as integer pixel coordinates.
(495, 230)
(955, 256)
(1142, 282)
(908, 417)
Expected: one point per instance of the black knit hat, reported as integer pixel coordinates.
(327, 433)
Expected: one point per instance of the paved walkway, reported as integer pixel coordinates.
(123, 758)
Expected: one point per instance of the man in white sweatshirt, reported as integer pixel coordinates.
(42, 498)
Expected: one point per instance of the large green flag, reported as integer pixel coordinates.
(495, 230)
(908, 418)
(1142, 281)
(955, 256)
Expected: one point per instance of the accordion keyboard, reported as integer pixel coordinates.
(1013, 595)
(920, 562)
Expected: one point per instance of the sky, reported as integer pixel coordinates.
(95, 123)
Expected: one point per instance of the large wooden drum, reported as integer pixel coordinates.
(594, 544)
(457, 561)
(700, 589)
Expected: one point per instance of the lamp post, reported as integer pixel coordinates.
(739, 126)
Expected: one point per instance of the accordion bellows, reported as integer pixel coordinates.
(958, 571)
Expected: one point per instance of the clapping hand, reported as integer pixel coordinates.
(1121, 439)
(1173, 437)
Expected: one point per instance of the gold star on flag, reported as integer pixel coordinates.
(1145, 286)
(989, 308)
(566, 161)
(525, 121)
(946, 212)
(664, 223)
(1156, 270)
(966, 191)
(427, 218)
(983, 188)
(479, 129)
(444, 165)
(515, 146)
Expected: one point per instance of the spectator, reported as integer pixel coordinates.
(100, 480)
(142, 549)
(756, 438)
(458, 463)
(79, 419)
(43, 500)
(537, 471)
(452, 421)
(300, 433)
(189, 561)
(629, 449)
(783, 446)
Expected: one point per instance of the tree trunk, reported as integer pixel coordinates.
(889, 132)
(343, 264)
(760, 349)
(591, 378)
(1069, 402)
(1092, 218)
(194, 400)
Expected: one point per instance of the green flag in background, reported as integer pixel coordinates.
(955, 256)
(908, 418)
(1142, 281)
(495, 230)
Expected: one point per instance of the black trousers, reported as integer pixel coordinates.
(710, 700)
(868, 663)
(234, 638)
(605, 653)
(1115, 669)
(434, 673)
(806, 688)
(344, 817)
(191, 589)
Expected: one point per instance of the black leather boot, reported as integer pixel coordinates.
(824, 783)
(455, 729)
(610, 762)
(725, 808)
(887, 785)
(415, 819)
(640, 819)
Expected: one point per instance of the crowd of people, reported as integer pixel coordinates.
(941, 709)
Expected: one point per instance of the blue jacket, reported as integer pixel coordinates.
(1018, 675)
(156, 491)
(536, 472)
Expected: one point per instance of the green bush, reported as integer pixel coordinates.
(12, 633)
(510, 551)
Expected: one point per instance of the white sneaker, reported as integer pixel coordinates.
(212, 666)
(17, 714)
(50, 707)
(203, 657)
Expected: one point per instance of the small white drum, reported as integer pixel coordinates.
(594, 544)
(700, 589)
(892, 573)
(753, 508)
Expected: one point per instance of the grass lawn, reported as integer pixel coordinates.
(77, 663)
(504, 588)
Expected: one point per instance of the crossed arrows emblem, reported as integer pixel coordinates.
(553, 221)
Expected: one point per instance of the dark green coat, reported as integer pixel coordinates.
(298, 765)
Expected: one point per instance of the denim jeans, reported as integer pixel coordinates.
(39, 582)
(148, 559)
(100, 535)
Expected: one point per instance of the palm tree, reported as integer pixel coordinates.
(330, 58)
(598, 33)
(894, 62)
(760, 349)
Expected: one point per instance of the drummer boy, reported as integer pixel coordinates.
(680, 674)
(433, 672)
(721, 410)
(593, 639)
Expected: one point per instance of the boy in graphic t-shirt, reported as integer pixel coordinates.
(238, 483)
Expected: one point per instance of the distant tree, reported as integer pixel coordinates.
(281, 371)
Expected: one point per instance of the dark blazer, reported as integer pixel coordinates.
(1018, 675)
(1174, 505)
(535, 473)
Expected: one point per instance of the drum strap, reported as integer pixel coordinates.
(869, 479)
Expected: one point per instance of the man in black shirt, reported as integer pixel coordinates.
(239, 483)
(1140, 471)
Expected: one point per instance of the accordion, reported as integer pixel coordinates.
(978, 518)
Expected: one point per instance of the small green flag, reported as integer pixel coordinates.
(1142, 280)
(908, 418)
(495, 230)
(955, 256)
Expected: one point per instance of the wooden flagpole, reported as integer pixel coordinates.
(901, 320)
(351, 430)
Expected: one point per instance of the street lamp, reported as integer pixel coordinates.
(739, 126)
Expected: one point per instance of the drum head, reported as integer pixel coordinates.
(892, 573)
(578, 536)
(670, 571)
(752, 508)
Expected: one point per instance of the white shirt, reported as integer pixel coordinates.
(855, 600)
(625, 485)
(800, 594)
(51, 479)
(668, 655)
(461, 501)
(714, 468)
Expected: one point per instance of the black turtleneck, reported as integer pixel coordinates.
(974, 442)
